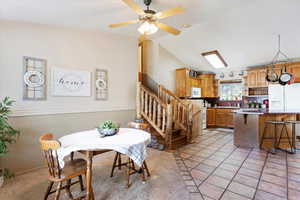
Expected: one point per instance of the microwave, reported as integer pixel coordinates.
(196, 92)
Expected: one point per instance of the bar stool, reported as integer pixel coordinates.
(274, 135)
(292, 141)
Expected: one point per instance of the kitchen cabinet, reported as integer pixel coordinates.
(257, 78)
(261, 78)
(185, 83)
(220, 117)
(208, 86)
(294, 69)
(211, 117)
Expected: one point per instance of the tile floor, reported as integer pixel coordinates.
(213, 168)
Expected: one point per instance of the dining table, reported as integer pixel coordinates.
(128, 141)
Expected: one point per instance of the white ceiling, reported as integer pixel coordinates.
(244, 32)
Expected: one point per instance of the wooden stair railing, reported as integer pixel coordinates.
(181, 110)
(166, 113)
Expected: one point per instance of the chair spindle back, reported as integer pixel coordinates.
(49, 147)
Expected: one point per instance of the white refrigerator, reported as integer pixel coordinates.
(286, 98)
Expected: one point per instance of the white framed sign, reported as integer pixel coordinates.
(67, 82)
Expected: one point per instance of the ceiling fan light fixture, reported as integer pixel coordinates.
(147, 28)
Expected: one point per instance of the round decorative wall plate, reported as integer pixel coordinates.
(100, 84)
(34, 79)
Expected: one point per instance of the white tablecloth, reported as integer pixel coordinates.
(132, 142)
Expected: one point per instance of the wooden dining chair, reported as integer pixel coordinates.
(72, 169)
(130, 167)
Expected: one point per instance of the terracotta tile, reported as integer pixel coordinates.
(274, 179)
(196, 196)
(262, 195)
(255, 161)
(294, 177)
(253, 166)
(212, 163)
(233, 162)
(294, 170)
(272, 188)
(229, 167)
(218, 181)
(294, 164)
(197, 174)
(211, 190)
(275, 172)
(275, 165)
(191, 163)
(294, 194)
(218, 158)
(205, 168)
(189, 182)
(277, 161)
(242, 189)
(207, 198)
(294, 185)
(246, 180)
(192, 188)
(249, 172)
(232, 196)
(224, 173)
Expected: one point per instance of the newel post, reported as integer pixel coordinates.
(138, 101)
(169, 126)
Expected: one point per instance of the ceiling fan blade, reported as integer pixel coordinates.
(169, 12)
(123, 23)
(134, 6)
(167, 28)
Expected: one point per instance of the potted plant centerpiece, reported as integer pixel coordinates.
(8, 135)
(108, 128)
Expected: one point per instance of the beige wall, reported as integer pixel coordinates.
(66, 48)
(25, 154)
(72, 49)
(162, 65)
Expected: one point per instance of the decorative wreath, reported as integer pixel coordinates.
(101, 84)
(34, 79)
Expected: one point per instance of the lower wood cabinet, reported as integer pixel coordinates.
(211, 117)
(219, 117)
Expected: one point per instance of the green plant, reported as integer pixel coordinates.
(8, 134)
(108, 125)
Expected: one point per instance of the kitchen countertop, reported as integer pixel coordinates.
(265, 111)
(225, 107)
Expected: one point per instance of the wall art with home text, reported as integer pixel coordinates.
(66, 82)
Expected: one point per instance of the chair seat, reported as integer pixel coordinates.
(72, 169)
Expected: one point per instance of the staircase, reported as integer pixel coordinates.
(168, 115)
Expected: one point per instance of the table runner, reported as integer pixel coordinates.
(132, 142)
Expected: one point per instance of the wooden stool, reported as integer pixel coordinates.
(130, 168)
(139, 125)
(273, 137)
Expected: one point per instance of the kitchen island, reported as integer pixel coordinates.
(250, 123)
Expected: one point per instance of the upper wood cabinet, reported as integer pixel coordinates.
(294, 68)
(184, 84)
(208, 86)
(256, 78)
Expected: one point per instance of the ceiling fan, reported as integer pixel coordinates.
(149, 18)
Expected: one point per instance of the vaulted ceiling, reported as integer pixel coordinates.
(244, 32)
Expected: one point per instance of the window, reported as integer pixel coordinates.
(231, 91)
